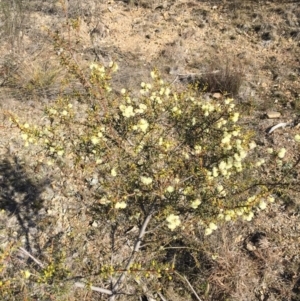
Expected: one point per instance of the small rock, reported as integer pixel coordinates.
(217, 95)
(166, 16)
(264, 85)
(250, 247)
(273, 114)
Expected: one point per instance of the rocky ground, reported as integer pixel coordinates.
(256, 41)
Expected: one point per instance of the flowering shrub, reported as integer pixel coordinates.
(173, 153)
(165, 160)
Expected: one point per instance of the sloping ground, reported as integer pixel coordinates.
(185, 40)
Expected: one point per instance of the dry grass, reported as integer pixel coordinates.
(223, 77)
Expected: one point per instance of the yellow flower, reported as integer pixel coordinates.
(226, 138)
(198, 149)
(281, 153)
(213, 226)
(127, 111)
(262, 205)
(195, 204)
(24, 136)
(173, 221)
(93, 66)
(243, 154)
(167, 92)
(215, 172)
(26, 274)
(153, 75)
(222, 165)
(113, 172)
(228, 101)
(249, 216)
(170, 189)
(227, 218)
(297, 138)
(120, 205)
(146, 180)
(143, 107)
(104, 201)
(252, 145)
(60, 152)
(143, 125)
(235, 117)
(95, 140)
(260, 162)
(208, 231)
(99, 161)
(220, 216)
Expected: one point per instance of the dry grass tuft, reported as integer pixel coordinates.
(225, 78)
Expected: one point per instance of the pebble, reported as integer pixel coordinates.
(273, 114)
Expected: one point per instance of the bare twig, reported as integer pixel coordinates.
(190, 286)
(161, 296)
(33, 258)
(112, 293)
(94, 288)
(277, 126)
(132, 257)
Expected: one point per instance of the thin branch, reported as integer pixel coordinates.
(33, 258)
(190, 286)
(277, 126)
(132, 257)
(161, 296)
(94, 288)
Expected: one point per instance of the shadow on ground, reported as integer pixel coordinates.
(20, 199)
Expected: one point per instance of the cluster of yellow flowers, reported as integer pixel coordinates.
(101, 75)
(173, 221)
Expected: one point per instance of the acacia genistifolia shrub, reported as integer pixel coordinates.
(164, 161)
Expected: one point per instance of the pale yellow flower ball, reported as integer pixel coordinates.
(281, 153)
(120, 205)
(146, 180)
(170, 189)
(213, 226)
(208, 231)
(262, 205)
(95, 140)
(113, 172)
(252, 145)
(195, 204)
(173, 221)
(297, 138)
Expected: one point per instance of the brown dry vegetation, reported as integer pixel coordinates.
(247, 49)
